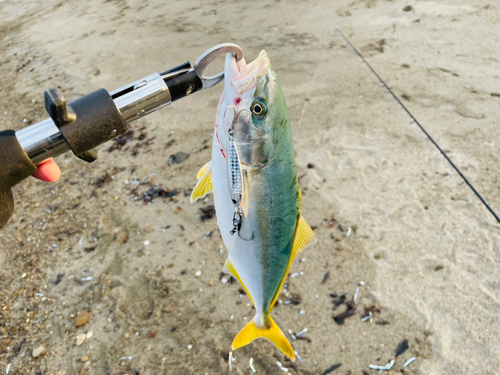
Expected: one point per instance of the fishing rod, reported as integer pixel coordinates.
(420, 126)
(87, 122)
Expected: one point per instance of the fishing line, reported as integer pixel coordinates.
(308, 96)
(419, 125)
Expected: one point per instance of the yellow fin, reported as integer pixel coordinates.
(272, 332)
(203, 169)
(228, 267)
(204, 184)
(304, 237)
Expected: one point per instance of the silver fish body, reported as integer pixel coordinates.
(253, 177)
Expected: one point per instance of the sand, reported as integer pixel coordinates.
(424, 246)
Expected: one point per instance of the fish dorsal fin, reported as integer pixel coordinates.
(204, 184)
(304, 237)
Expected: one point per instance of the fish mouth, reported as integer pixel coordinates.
(242, 76)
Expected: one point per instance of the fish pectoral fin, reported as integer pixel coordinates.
(203, 169)
(272, 332)
(204, 184)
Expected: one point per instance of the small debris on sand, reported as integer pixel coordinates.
(331, 369)
(178, 157)
(408, 362)
(207, 212)
(284, 369)
(29, 292)
(80, 339)
(338, 299)
(293, 299)
(350, 310)
(402, 347)
(38, 351)
(81, 318)
(387, 366)
(326, 277)
(121, 141)
(157, 191)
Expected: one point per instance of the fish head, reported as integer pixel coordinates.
(256, 116)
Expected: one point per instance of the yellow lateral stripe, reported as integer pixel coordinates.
(229, 266)
(304, 237)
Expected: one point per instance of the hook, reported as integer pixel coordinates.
(237, 218)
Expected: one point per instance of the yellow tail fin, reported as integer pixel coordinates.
(272, 332)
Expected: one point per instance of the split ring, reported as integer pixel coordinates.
(210, 55)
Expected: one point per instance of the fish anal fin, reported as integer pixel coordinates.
(271, 332)
(204, 184)
(304, 237)
(228, 267)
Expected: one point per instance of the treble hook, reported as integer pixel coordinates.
(236, 222)
(237, 218)
(230, 130)
(234, 120)
(245, 239)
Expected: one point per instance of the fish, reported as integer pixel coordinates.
(253, 177)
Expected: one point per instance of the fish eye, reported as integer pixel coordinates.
(259, 109)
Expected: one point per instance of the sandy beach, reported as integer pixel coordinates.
(397, 228)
